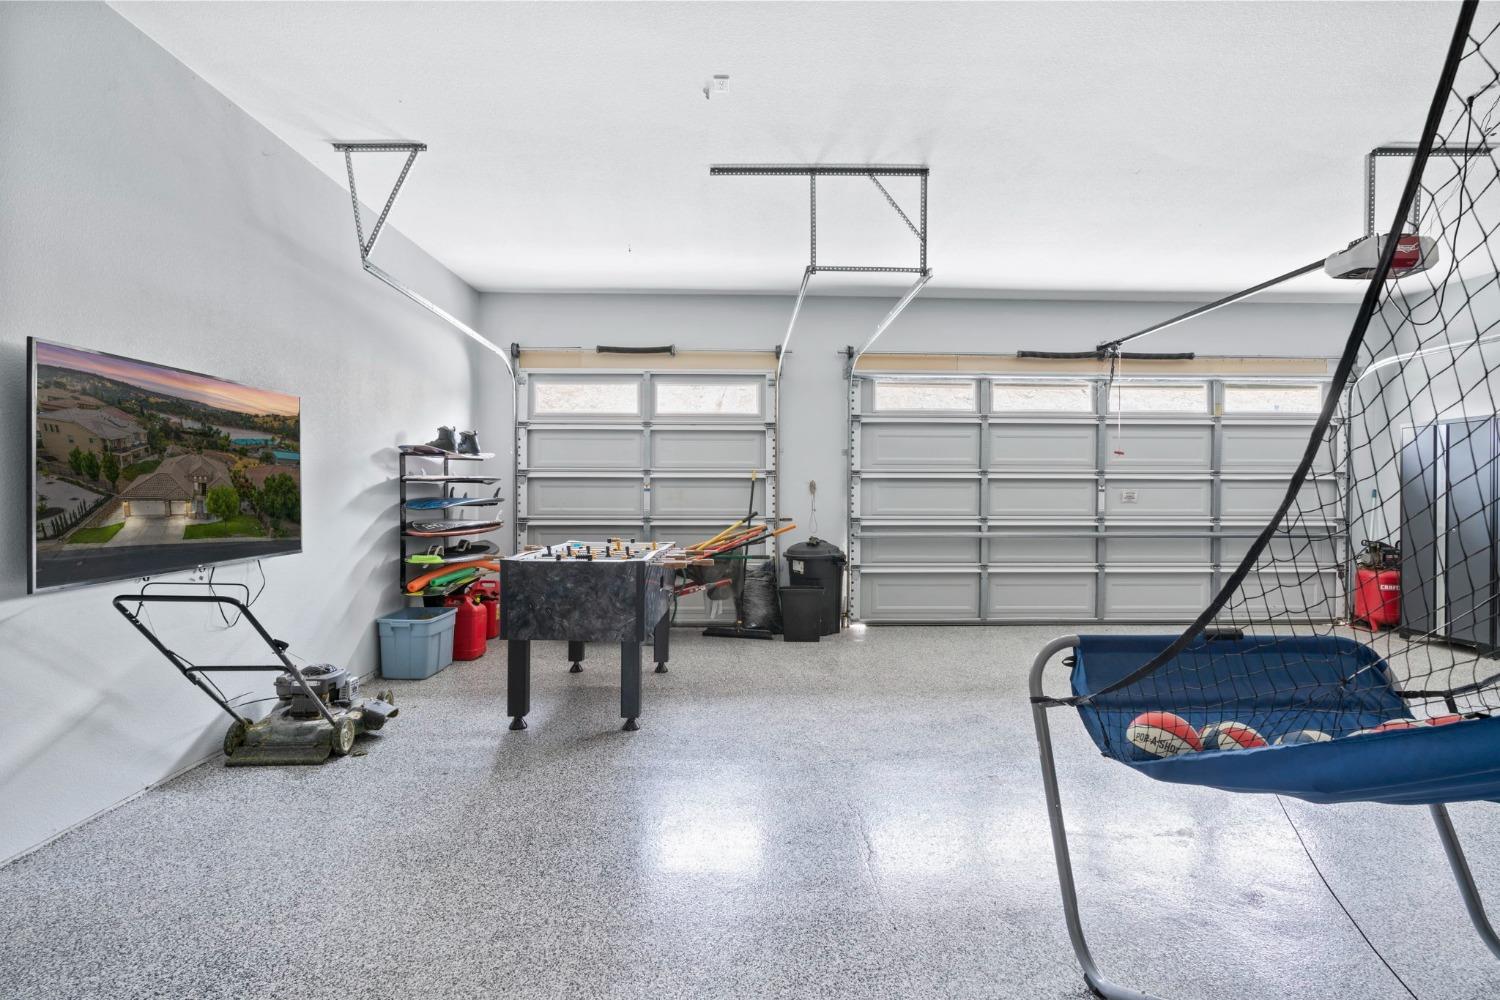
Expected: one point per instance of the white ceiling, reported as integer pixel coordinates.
(1138, 148)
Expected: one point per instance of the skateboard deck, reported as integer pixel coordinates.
(438, 477)
(465, 551)
(445, 529)
(443, 503)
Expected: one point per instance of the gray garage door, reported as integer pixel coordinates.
(1002, 498)
(664, 456)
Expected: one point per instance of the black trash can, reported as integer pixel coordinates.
(816, 563)
(801, 614)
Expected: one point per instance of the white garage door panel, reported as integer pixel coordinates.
(148, 508)
(1314, 550)
(918, 596)
(1258, 498)
(1042, 549)
(688, 450)
(1254, 447)
(887, 546)
(927, 497)
(1180, 499)
(552, 534)
(1156, 595)
(1159, 447)
(675, 497)
(585, 448)
(1156, 550)
(897, 446)
(1070, 530)
(1293, 593)
(581, 498)
(1042, 447)
(1022, 595)
(1042, 497)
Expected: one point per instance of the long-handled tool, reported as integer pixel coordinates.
(760, 534)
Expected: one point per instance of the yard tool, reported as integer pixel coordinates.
(759, 534)
(696, 546)
(694, 588)
(318, 709)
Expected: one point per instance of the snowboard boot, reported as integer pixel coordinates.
(444, 440)
(468, 443)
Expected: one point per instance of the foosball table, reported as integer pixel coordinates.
(579, 592)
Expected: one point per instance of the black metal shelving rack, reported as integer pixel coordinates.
(447, 477)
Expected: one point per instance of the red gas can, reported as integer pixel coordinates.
(468, 631)
(488, 591)
(1377, 597)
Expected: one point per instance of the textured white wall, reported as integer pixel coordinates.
(144, 214)
(813, 386)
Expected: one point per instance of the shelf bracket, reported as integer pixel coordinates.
(367, 243)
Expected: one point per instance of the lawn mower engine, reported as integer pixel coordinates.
(298, 730)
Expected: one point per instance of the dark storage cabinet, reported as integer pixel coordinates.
(1449, 491)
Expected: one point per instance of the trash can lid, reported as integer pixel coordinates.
(815, 548)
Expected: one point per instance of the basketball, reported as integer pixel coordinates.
(1230, 736)
(1162, 734)
(1303, 736)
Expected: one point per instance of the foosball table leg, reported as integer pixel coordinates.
(630, 684)
(575, 653)
(518, 682)
(661, 642)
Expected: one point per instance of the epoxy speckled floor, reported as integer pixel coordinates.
(861, 818)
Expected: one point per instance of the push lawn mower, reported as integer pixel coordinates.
(318, 709)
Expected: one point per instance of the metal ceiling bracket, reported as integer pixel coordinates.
(1398, 149)
(367, 244)
(812, 171)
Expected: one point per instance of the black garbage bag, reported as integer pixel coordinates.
(760, 605)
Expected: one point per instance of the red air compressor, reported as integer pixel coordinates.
(1377, 586)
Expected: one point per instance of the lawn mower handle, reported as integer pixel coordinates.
(190, 670)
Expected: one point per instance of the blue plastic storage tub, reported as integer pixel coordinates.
(416, 642)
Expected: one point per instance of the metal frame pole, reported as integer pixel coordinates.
(777, 486)
(890, 317)
(1091, 975)
(1473, 902)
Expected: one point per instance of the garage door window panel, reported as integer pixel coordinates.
(1244, 397)
(709, 398)
(925, 397)
(1041, 397)
(1159, 397)
(555, 397)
